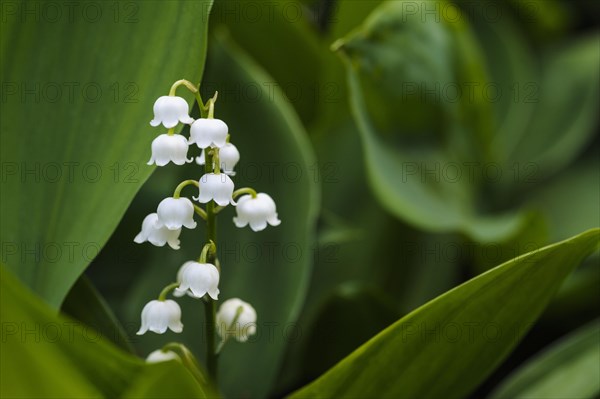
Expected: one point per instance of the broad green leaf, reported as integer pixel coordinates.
(48, 355)
(544, 19)
(335, 112)
(512, 75)
(565, 117)
(348, 318)
(78, 89)
(544, 117)
(417, 149)
(576, 186)
(84, 303)
(457, 339)
(567, 369)
(278, 36)
(165, 381)
(269, 269)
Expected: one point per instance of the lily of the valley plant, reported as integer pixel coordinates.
(199, 278)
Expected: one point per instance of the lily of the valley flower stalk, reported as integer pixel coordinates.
(199, 279)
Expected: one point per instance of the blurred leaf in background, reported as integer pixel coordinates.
(567, 369)
(413, 133)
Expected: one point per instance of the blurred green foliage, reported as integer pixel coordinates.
(348, 113)
(567, 369)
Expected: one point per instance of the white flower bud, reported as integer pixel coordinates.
(170, 110)
(176, 212)
(256, 211)
(162, 356)
(167, 149)
(158, 236)
(198, 279)
(216, 187)
(157, 316)
(229, 156)
(236, 318)
(208, 132)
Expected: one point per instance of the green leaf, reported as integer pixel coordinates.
(424, 157)
(47, 355)
(75, 135)
(567, 369)
(165, 381)
(348, 318)
(565, 118)
(335, 112)
(85, 304)
(512, 73)
(457, 339)
(275, 34)
(269, 269)
(578, 182)
(545, 19)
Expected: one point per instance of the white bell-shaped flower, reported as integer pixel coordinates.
(229, 156)
(256, 212)
(160, 355)
(176, 212)
(156, 235)
(198, 279)
(170, 110)
(208, 132)
(236, 318)
(167, 149)
(216, 187)
(179, 293)
(157, 316)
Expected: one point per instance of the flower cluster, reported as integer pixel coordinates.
(199, 279)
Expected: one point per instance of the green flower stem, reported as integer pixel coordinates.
(183, 82)
(238, 313)
(218, 209)
(163, 294)
(180, 186)
(245, 190)
(194, 89)
(215, 159)
(201, 105)
(211, 108)
(221, 344)
(205, 109)
(208, 248)
(200, 212)
(188, 360)
(209, 304)
(171, 131)
(211, 356)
